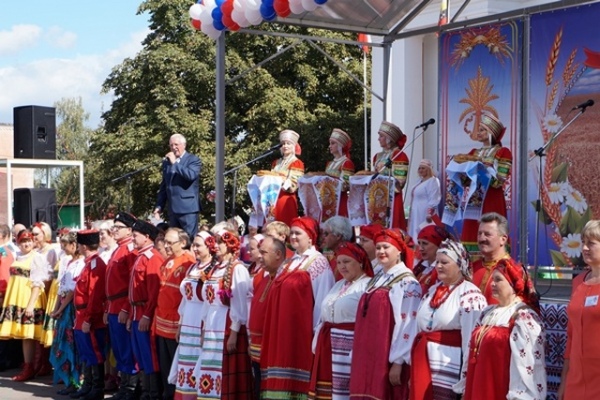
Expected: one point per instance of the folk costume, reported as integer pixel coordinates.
(90, 330)
(425, 271)
(390, 303)
(290, 168)
(398, 169)
(286, 356)
(482, 275)
(220, 373)
(334, 337)
(446, 318)
(166, 316)
(342, 167)
(508, 343)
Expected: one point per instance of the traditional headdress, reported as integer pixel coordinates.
(393, 133)
(343, 139)
(146, 228)
(358, 253)
(292, 136)
(209, 241)
(308, 225)
(520, 281)
(24, 235)
(88, 237)
(396, 239)
(126, 218)
(427, 163)
(231, 241)
(369, 231)
(433, 234)
(493, 126)
(457, 253)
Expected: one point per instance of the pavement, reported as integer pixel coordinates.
(38, 388)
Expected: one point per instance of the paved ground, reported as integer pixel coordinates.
(38, 388)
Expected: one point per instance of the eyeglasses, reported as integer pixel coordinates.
(117, 227)
(167, 243)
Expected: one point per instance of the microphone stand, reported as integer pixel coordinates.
(235, 173)
(540, 153)
(128, 176)
(410, 160)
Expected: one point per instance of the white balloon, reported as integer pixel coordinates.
(209, 4)
(253, 4)
(239, 18)
(206, 17)
(309, 5)
(195, 11)
(296, 7)
(210, 31)
(254, 16)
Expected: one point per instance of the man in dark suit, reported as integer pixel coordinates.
(180, 187)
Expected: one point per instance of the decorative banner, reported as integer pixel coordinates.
(263, 192)
(555, 320)
(564, 72)
(370, 199)
(461, 203)
(480, 73)
(320, 196)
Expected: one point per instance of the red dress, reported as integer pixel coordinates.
(400, 173)
(286, 355)
(583, 349)
(499, 158)
(482, 277)
(286, 207)
(342, 168)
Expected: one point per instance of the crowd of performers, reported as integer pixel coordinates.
(296, 309)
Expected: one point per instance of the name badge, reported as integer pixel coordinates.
(591, 301)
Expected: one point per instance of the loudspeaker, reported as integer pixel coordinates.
(35, 205)
(35, 132)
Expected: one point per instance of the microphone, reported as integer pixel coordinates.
(388, 163)
(431, 122)
(275, 147)
(583, 106)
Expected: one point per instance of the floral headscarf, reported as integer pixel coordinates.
(457, 253)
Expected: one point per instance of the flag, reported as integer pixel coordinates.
(362, 37)
(443, 13)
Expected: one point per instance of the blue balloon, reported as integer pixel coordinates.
(218, 24)
(268, 3)
(320, 2)
(217, 16)
(268, 13)
(219, 3)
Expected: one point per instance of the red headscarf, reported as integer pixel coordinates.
(308, 225)
(433, 234)
(369, 231)
(397, 239)
(520, 281)
(358, 253)
(24, 235)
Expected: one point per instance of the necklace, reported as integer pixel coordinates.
(491, 320)
(441, 294)
(344, 291)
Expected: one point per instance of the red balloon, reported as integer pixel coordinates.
(196, 23)
(282, 7)
(227, 9)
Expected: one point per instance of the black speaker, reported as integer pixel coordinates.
(35, 132)
(35, 205)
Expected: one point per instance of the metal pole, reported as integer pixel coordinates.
(81, 197)
(220, 132)
(365, 102)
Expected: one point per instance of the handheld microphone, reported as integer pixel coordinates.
(275, 147)
(583, 106)
(388, 163)
(427, 123)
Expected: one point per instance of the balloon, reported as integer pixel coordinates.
(267, 10)
(309, 5)
(239, 17)
(227, 9)
(196, 24)
(195, 11)
(282, 7)
(217, 19)
(296, 7)
(210, 31)
(253, 4)
(209, 4)
(320, 2)
(253, 16)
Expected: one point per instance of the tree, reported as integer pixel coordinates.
(169, 87)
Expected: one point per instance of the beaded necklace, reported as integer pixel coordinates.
(441, 294)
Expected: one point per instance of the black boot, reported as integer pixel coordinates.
(154, 380)
(87, 383)
(126, 388)
(97, 391)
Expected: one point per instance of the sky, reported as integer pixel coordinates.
(51, 50)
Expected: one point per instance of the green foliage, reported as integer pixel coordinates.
(169, 87)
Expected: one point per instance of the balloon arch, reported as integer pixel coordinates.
(214, 16)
